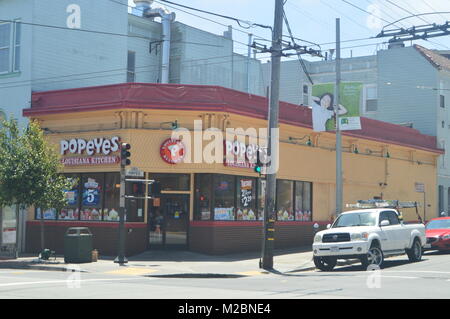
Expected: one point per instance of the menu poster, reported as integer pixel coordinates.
(246, 192)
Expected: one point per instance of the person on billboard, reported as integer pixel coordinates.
(323, 110)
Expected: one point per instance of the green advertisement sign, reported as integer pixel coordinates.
(323, 101)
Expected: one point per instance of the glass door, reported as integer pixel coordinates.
(176, 218)
(168, 222)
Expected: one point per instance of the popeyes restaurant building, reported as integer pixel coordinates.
(210, 207)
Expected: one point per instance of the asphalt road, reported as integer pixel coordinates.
(429, 278)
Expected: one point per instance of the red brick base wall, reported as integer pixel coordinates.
(104, 237)
(232, 237)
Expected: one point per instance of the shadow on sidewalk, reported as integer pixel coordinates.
(188, 256)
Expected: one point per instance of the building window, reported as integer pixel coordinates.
(17, 35)
(371, 98)
(10, 34)
(5, 47)
(305, 100)
(246, 198)
(71, 211)
(441, 199)
(284, 201)
(448, 201)
(443, 157)
(131, 66)
(203, 195)
(224, 197)
(442, 101)
(303, 200)
(112, 196)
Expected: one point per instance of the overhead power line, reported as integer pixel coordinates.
(416, 33)
(302, 63)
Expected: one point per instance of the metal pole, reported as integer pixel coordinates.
(339, 186)
(271, 177)
(121, 255)
(249, 56)
(424, 207)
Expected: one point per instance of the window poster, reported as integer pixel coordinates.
(91, 193)
(224, 213)
(246, 211)
(69, 213)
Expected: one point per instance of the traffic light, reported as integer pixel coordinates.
(259, 164)
(125, 154)
(154, 188)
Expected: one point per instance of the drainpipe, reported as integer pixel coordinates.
(166, 21)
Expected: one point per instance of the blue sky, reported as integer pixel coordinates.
(314, 20)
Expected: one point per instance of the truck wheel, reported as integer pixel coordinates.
(415, 253)
(325, 263)
(374, 257)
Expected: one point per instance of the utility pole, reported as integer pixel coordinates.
(271, 178)
(339, 184)
(124, 161)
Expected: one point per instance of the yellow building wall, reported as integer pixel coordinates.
(366, 174)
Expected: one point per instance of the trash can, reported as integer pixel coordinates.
(78, 245)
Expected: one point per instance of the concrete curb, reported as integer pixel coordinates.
(34, 266)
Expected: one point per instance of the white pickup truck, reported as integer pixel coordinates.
(369, 235)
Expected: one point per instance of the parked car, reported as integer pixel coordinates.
(438, 234)
(369, 235)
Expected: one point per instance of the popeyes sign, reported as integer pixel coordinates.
(98, 151)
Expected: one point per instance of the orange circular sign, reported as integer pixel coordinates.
(172, 151)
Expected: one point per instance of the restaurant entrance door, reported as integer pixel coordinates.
(168, 222)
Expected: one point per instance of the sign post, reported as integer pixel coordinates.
(420, 188)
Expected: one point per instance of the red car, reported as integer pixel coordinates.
(438, 234)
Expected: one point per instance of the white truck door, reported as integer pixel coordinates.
(387, 233)
(400, 234)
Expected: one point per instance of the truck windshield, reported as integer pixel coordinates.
(356, 219)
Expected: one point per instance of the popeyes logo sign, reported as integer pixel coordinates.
(103, 146)
(173, 151)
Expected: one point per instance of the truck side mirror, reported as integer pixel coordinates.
(384, 223)
(328, 226)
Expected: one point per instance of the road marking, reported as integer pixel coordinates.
(252, 273)
(61, 281)
(131, 271)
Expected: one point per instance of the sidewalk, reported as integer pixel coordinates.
(183, 264)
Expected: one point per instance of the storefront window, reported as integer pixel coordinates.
(134, 207)
(71, 211)
(8, 225)
(285, 207)
(246, 199)
(91, 203)
(203, 183)
(173, 182)
(49, 214)
(112, 196)
(303, 201)
(307, 201)
(224, 197)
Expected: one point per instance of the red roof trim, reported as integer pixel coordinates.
(208, 98)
